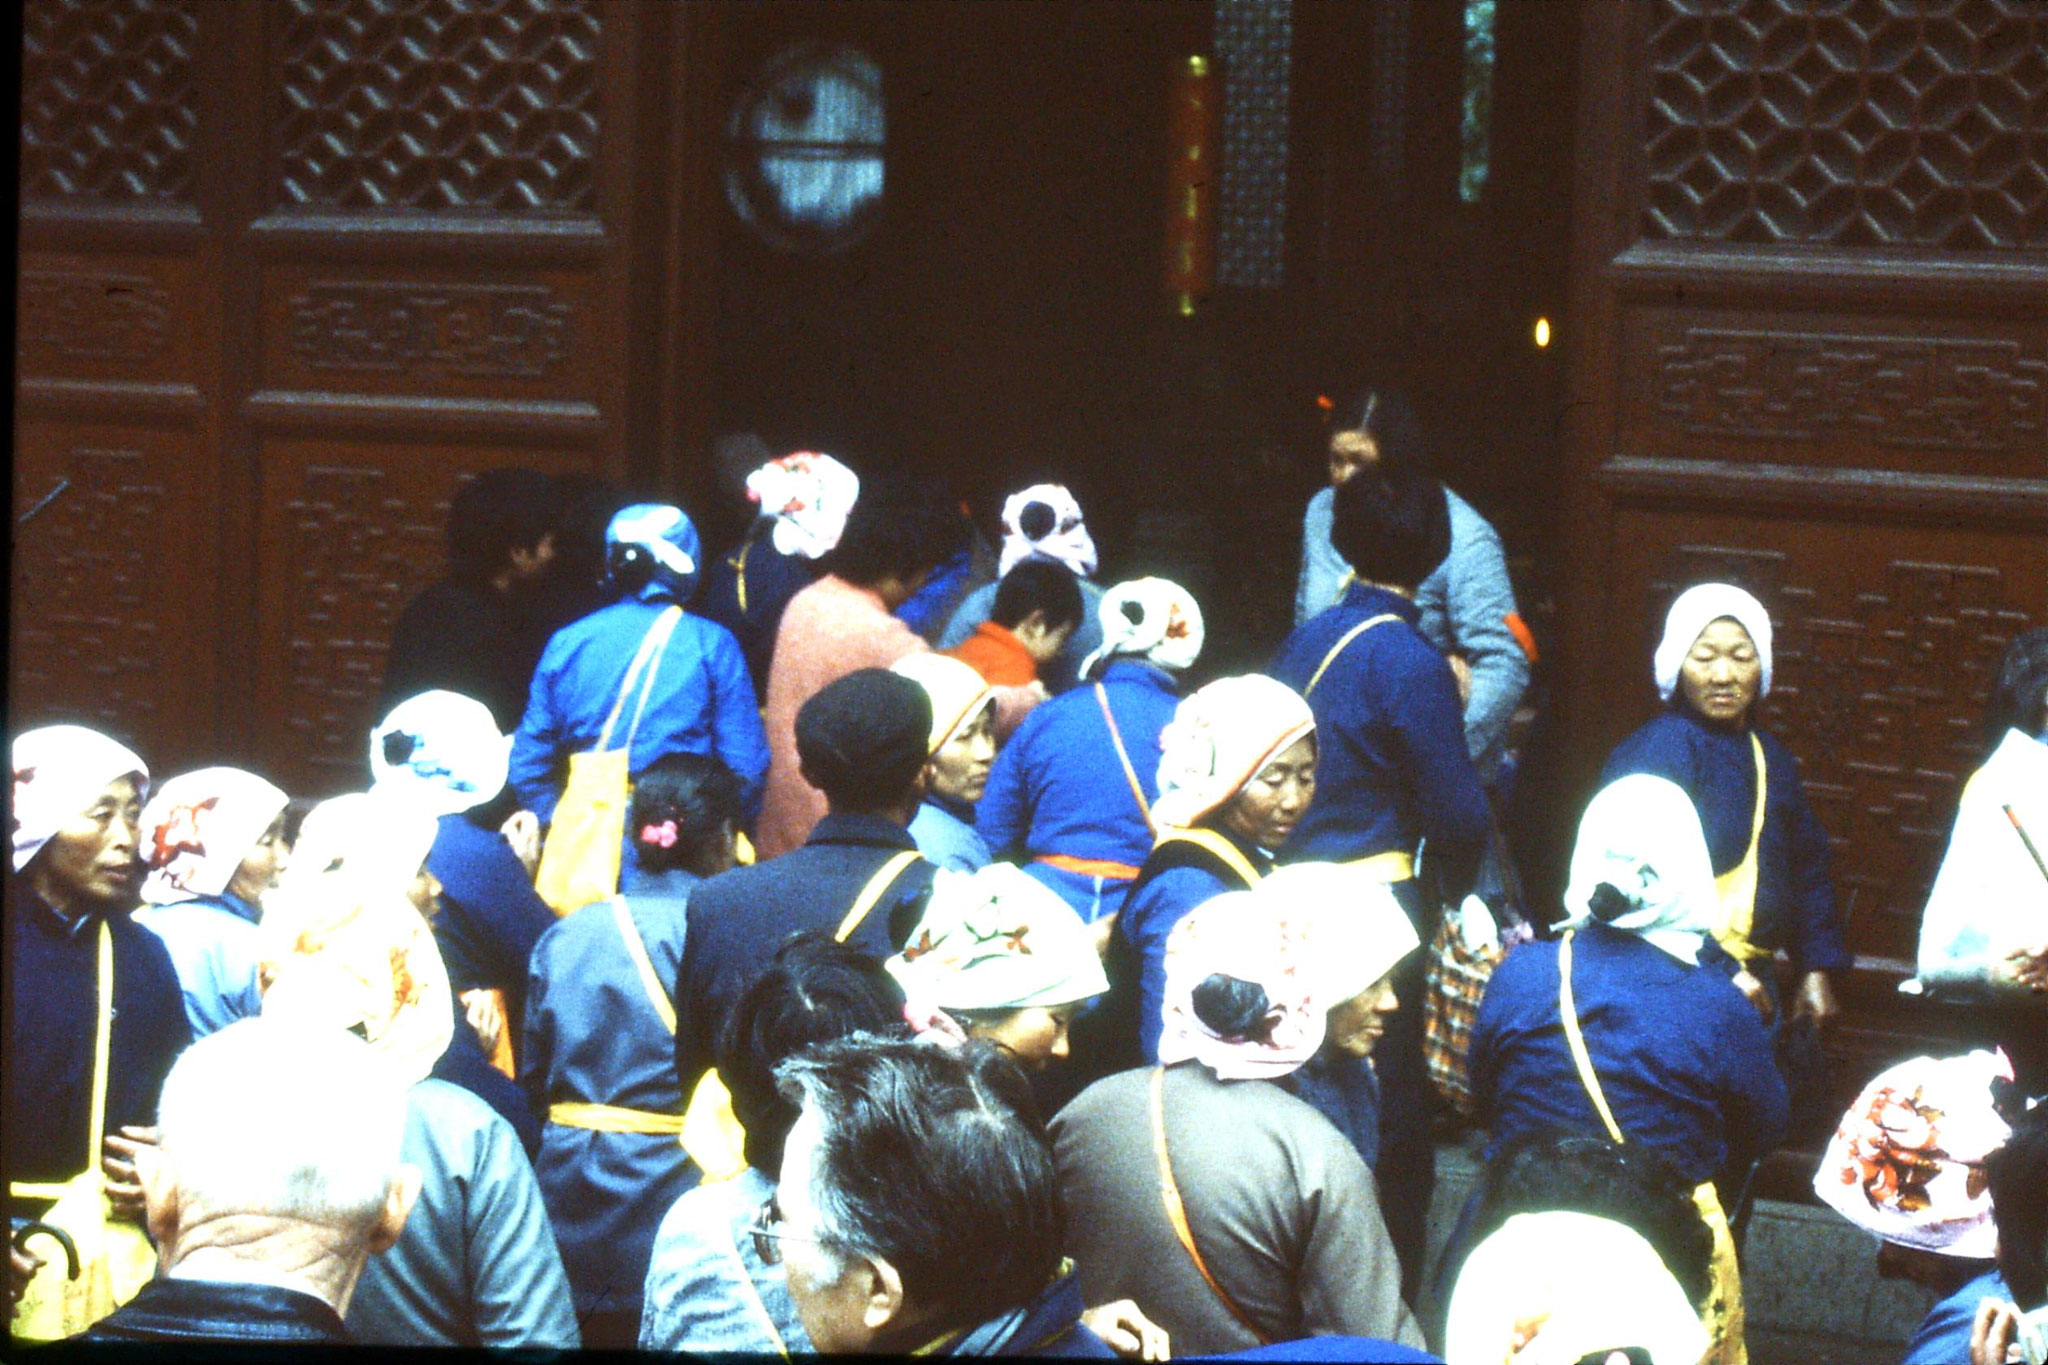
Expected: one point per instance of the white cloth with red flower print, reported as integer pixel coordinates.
(995, 939)
(810, 496)
(1153, 619)
(1907, 1161)
(198, 829)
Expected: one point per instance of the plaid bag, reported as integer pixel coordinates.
(1456, 980)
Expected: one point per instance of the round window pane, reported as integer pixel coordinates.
(804, 161)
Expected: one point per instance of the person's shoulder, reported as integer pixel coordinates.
(1107, 1100)
(1321, 503)
(1664, 736)
(452, 1115)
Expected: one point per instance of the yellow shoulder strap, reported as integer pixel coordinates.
(1124, 757)
(1737, 886)
(1568, 1011)
(884, 878)
(1218, 845)
(1346, 638)
(1176, 1211)
(636, 948)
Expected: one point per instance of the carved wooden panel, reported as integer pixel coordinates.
(1878, 122)
(1886, 642)
(116, 319)
(438, 104)
(109, 99)
(353, 534)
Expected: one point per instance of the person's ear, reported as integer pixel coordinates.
(882, 1293)
(159, 1196)
(399, 1196)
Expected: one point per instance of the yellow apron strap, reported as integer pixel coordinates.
(1395, 865)
(1346, 638)
(1737, 886)
(651, 646)
(1568, 1011)
(1218, 845)
(636, 948)
(1123, 756)
(611, 1118)
(884, 878)
(102, 1054)
(1176, 1211)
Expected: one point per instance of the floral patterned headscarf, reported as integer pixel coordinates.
(1237, 935)
(1907, 1161)
(810, 495)
(199, 827)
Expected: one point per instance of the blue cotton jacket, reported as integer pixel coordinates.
(1943, 1337)
(1465, 604)
(1057, 786)
(1682, 1057)
(1391, 766)
(1795, 890)
(490, 914)
(1178, 877)
(215, 950)
(945, 835)
(702, 702)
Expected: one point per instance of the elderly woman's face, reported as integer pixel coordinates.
(1035, 1036)
(959, 770)
(1722, 674)
(91, 863)
(1266, 810)
(264, 865)
(1356, 1025)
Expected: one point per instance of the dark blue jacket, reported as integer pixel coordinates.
(1795, 891)
(1177, 877)
(1392, 768)
(1682, 1057)
(52, 1015)
(490, 914)
(738, 919)
(702, 702)
(214, 1314)
(745, 590)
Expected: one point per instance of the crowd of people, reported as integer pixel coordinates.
(863, 940)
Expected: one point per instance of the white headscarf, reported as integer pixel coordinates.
(1641, 835)
(810, 496)
(1590, 1284)
(998, 939)
(1220, 737)
(1068, 541)
(1153, 618)
(441, 750)
(376, 844)
(958, 693)
(199, 827)
(1907, 1160)
(1355, 930)
(59, 771)
(1699, 607)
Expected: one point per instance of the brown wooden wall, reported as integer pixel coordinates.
(1811, 357)
(289, 273)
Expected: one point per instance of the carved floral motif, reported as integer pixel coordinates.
(91, 315)
(483, 330)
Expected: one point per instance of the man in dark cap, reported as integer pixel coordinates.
(862, 740)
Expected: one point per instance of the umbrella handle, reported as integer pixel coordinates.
(26, 1228)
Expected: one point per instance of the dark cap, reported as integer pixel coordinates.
(863, 737)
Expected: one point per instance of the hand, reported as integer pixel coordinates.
(21, 1268)
(1752, 988)
(486, 1014)
(1992, 1332)
(117, 1165)
(1128, 1331)
(1816, 1001)
(1461, 673)
(2024, 967)
(522, 831)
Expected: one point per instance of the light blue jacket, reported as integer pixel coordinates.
(706, 1289)
(214, 949)
(946, 839)
(1465, 605)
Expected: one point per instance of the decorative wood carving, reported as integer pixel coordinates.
(109, 103)
(486, 330)
(1880, 683)
(439, 105)
(88, 592)
(1885, 122)
(1963, 394)
(71, 316)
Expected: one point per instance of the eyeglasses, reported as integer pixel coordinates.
(769, 1230)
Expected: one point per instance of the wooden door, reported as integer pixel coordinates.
(291, 273)
(1810, 356)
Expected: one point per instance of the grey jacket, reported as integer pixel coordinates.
(1465, 605)
(706, 1289)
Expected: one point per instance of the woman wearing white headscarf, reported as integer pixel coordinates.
(1669, 1054)
(1042, 522)
(1072, 790)
(347, 946)
(214, 842)
(1279, 1234)
(1769, 852)
(963, 751)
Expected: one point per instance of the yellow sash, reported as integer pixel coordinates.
(1724, 1315)
(612, 1118)
(1392, 866)
(1218, 845)
(1737, 886)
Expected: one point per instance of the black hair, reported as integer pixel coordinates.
(816, 989)
(1041, 585)
(2018, 1177)
(2020, 691)
(699, 796)
(1609, 903)
(1037, 520)
(1391, 528)
(1628, 1183)
(938, 1162)
(894, 529)
(497, 512)
(1386, 415)
(1231, 1008)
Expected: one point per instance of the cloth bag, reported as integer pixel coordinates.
(1462, 958)
(115, 1258)
(579, 864)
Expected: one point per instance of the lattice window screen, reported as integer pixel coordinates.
(1255, 45)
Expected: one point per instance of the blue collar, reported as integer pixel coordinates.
(1378, 602)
